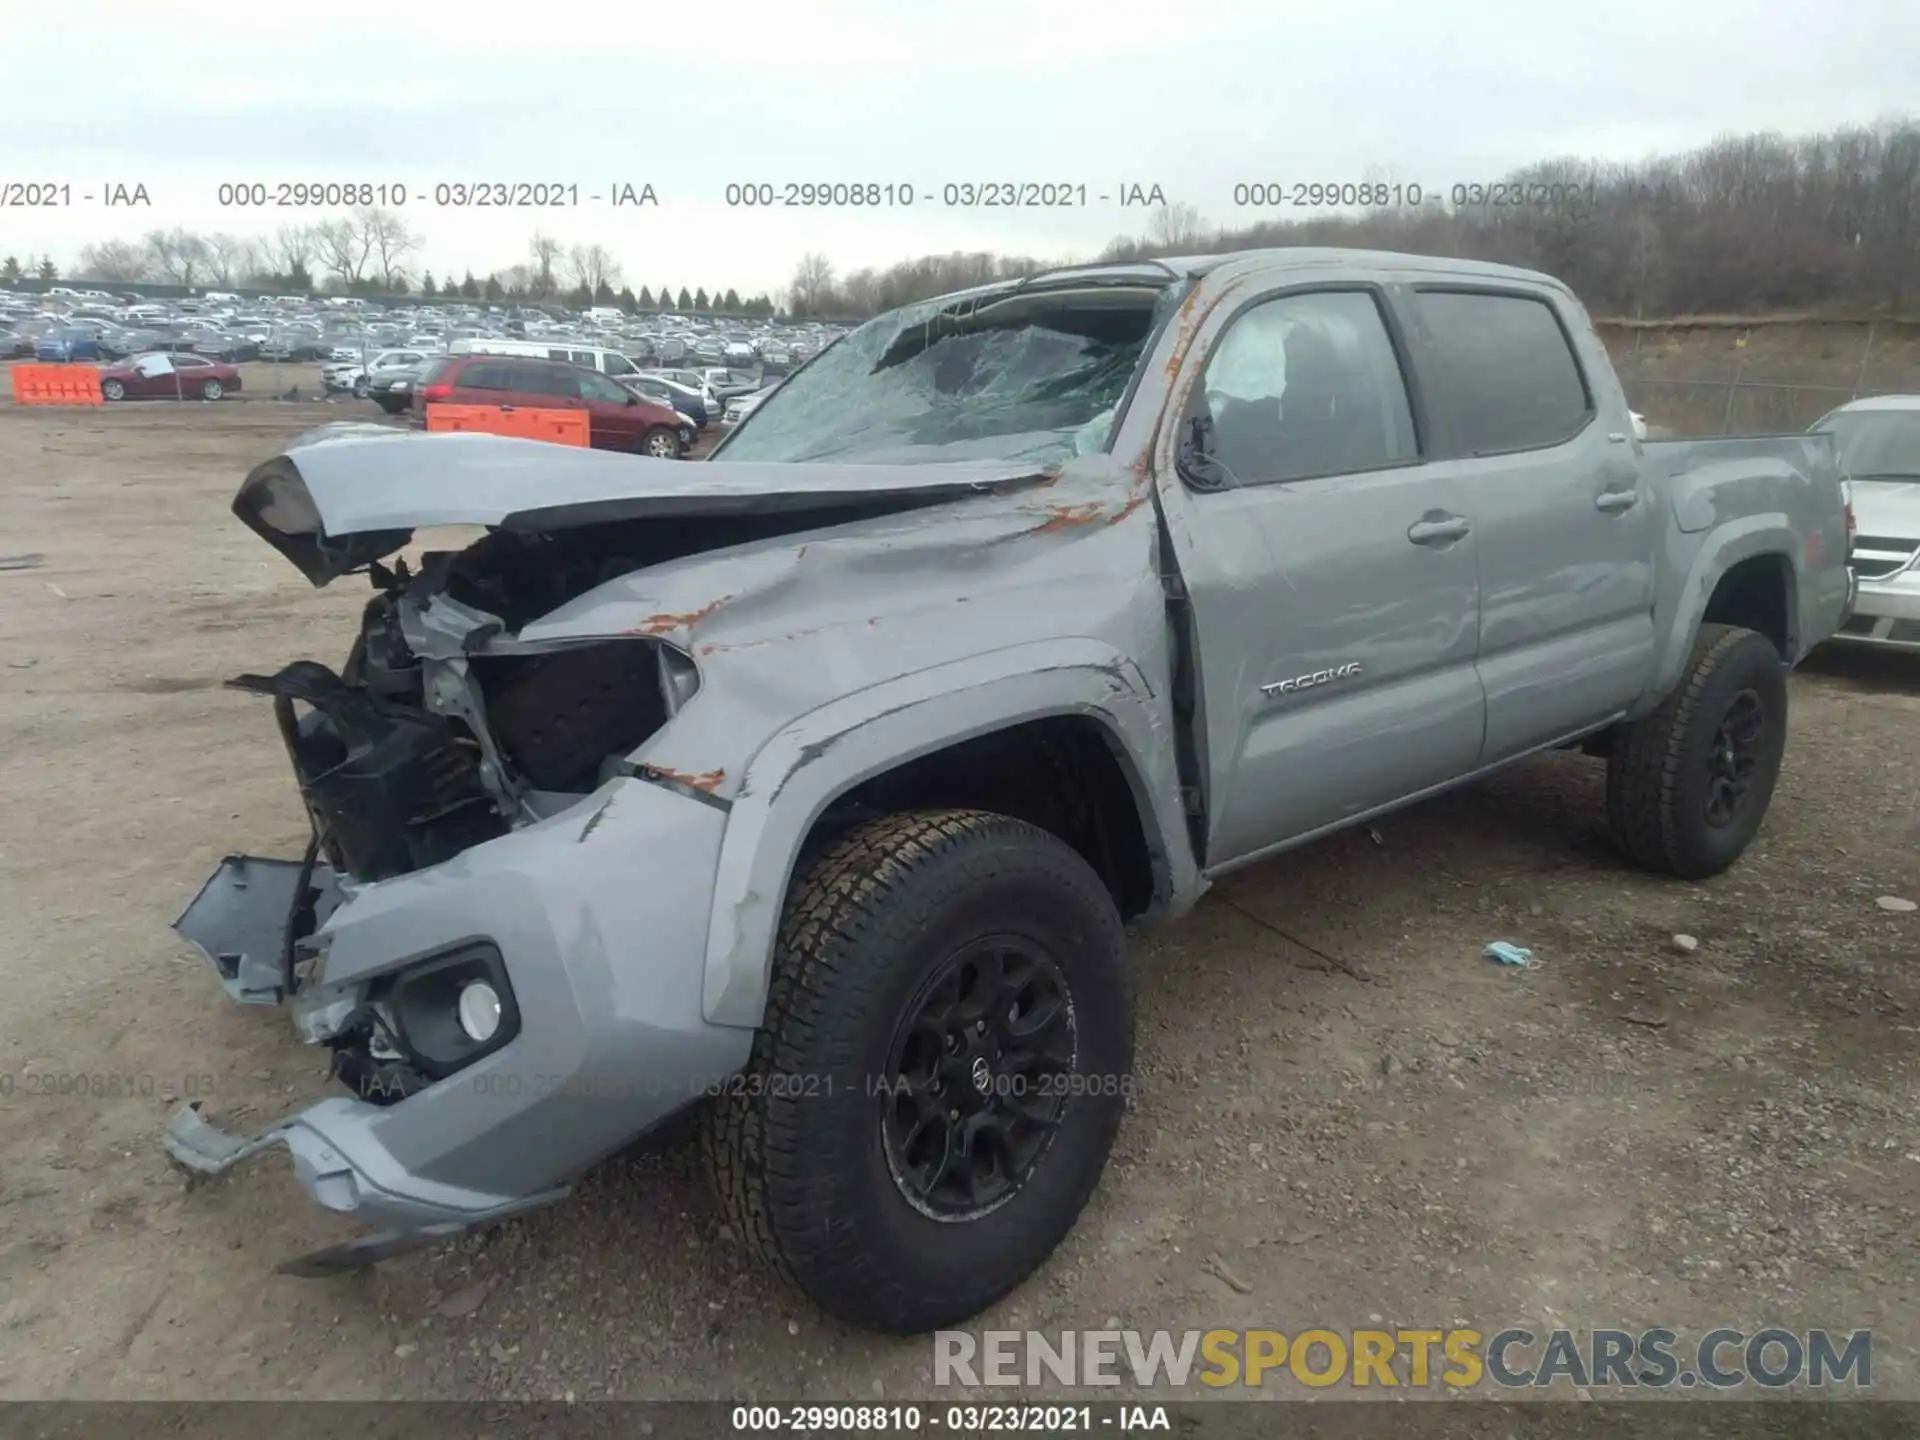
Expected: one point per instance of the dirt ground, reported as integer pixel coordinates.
(1345, 1113)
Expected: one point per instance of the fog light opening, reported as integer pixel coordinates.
(478, 1011)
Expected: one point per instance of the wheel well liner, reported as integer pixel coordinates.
(1757, 594)
(1062, 773)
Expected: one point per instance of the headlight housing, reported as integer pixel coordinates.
(452, 1009)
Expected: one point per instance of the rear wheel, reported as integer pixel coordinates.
(661, 443)
(211, 390)
(1689, 784)
(945, 1057)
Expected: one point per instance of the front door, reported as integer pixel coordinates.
(1331, 574)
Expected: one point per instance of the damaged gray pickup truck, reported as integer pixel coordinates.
(813, 785)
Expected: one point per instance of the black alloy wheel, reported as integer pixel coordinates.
(977, 1080)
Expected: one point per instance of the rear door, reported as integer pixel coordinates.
(1330, 571)
(1533, 428)
(545, 386)
(484, 382)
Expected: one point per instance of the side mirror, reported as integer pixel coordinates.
(632, 399)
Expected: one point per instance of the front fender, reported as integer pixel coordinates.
(803, 768)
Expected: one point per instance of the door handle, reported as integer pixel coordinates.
(1436, 528)
(1612, 502)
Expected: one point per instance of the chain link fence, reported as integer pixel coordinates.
(1773, 377)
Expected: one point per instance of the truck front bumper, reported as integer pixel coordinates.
(599, 915)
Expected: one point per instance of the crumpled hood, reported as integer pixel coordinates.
(347, 494)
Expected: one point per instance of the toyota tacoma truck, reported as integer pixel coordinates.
(808, 791)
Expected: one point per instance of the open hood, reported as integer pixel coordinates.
(345, 495)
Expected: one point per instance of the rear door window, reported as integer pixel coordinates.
(1505, 372)
(487, 375)
(555, 381)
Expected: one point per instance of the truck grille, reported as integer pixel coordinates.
(1875, 557)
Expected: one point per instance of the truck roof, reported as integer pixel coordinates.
(1287, 257)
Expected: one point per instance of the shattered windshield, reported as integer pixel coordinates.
(1035, 374)
(1877, 444)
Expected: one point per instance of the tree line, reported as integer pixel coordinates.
(1827, 222)
(370, 251)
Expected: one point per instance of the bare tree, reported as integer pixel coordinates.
(179, 255)
(343, 249)
(812, 283)
(593, 268)
(291, 250)
(118, 261)
(389, 241)
(1176, 227)
(545, 252)
(228, 258)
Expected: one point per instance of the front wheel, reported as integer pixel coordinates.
(112, 390)
(660, 443)
(1688, 784)
(211, 390)
(946, 1054)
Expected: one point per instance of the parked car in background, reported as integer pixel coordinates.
(617, 418)
(741, 406)
(694, 380)
(683, 398)
(727, 383)
(169, 375)
(295, 347)
(15, 346)
(351, 375)
(392, 389)
(595, 357)
(68, 344)
(129, 340)
(1878, 440)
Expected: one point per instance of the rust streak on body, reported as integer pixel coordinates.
(667, 622)
(708, 780)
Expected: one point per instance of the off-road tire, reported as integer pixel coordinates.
(1657, 773)
(794, 1146)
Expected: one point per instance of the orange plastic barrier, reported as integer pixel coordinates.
(562, 427)
(57, 385)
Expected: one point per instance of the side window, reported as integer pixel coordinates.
(556, 355)
(554, 380)
(598, 387)
(620, 365)
(1306, 385)
(488, 375)
(1506, 374)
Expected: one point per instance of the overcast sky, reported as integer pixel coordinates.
(1193, 97)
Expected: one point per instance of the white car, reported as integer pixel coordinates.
(1878, 440)
(742, 406)
(354, 376)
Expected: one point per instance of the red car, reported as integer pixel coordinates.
(163, 376)
(617, 418)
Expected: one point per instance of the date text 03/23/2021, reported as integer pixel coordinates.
(909, 1419)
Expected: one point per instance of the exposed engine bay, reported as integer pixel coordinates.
(441, 731)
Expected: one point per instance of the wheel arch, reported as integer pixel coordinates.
(1084, 689)
(1744, 574)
